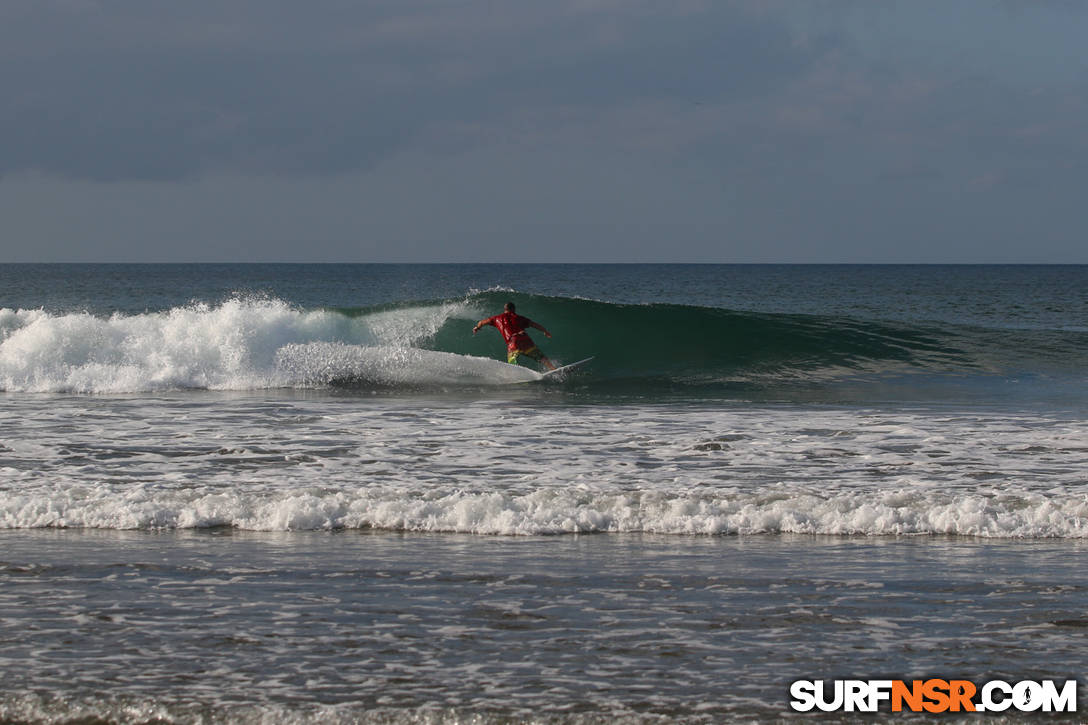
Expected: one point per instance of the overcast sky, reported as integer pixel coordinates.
(557, 130)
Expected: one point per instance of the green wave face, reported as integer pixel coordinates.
(682, 345)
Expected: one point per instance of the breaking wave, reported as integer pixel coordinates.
(239, 345)
(246, 344)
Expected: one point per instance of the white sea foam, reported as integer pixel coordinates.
(242, 344)
(1019, 514)
(497, 467)
(322, 363)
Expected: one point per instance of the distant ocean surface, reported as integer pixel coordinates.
(309, 493)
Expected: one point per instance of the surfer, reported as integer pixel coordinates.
(512, 327)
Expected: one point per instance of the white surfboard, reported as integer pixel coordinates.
(560, 373)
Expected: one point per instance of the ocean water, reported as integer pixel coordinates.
(309, 493)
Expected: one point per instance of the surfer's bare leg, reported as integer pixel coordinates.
(546, 362)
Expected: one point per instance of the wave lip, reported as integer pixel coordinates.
(1017, 514)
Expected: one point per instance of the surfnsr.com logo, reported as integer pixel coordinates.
(933, 695)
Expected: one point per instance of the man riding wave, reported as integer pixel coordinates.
(512, 328)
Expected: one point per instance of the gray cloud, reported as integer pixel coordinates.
(119, 90)
(741, 130)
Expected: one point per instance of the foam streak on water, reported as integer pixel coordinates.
(504, 466)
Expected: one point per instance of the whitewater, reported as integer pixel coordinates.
(324, 461)
(241, 344)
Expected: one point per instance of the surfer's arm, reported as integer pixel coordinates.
(483, 323)
(539, 327)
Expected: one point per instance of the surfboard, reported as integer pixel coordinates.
(560, 373)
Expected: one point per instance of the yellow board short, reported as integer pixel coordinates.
(532, 353)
